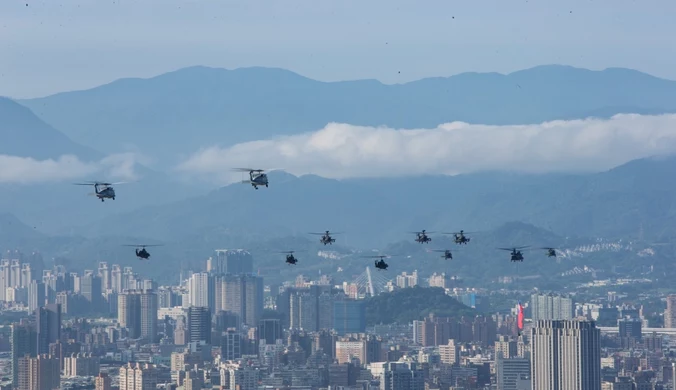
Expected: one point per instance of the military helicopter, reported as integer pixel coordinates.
(256, 177)
(551, 252)
(143, 253)
(380, 264)
(421, 237)
(459, 237)
(447, 255)
(102, 190)
(290, 258)
(326, 237)
(516, 252)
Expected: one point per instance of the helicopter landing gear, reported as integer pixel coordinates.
(266, 186)
(102, 200)
(113, 198)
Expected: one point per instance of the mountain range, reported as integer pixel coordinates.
(173, 115)
(167, 117)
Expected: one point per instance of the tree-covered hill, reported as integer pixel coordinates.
(407, 304)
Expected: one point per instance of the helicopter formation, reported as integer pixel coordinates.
(258, 178)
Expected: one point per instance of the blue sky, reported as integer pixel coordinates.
(59, 45)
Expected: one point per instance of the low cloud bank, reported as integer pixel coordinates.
(344, 151)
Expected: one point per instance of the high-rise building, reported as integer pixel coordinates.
(270, 330)
(512, 374)
(551, 307)
(402, 376)
(199, 324)
(39, 373)
(565, 355)
(90, 288)
(23, 342)
(48, 321)
(138, 377)
(349, 316)
(670, 312)
(233, 262)
(202, 290)
(506, 347)
(137, 311)
(242, 295)
(103, 382)
(36, 295)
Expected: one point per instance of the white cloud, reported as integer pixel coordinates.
(342, 150)
(24, 170)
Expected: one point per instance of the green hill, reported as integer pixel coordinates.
(407, 304)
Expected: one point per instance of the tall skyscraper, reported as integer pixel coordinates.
(199, 324)
(402, 376)
(551, 307)
(138, 376)
(202, 290)
(565, 355)
(23, 342)
(39, 373)
(137, 311)
(242, 295)
(48, 321)
(36, 295)
(349, 316)
(90, 288)
(270, 330)
(233, 262)
(670, 313)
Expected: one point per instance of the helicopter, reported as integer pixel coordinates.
(421, 237)
(380, 264)
(551, 252)
(516, 252)
(459, 237)
(326, 238)
(143, 253)
(290, 258)
(256, 177)
(102, 190)
(447, 255)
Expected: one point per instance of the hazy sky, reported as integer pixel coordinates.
(50, 46)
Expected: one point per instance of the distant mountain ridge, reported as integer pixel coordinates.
(23, 134)
(616, 203)
(174, 114)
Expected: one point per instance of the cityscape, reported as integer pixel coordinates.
(223, 327)
(337, 195)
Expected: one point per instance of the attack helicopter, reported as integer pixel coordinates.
(256, 177)
(380, 264)
(459, 237)
(422, 237)
(516, 254)
(326, 237)
(446, 254)
(290, 258)
(551, 252)
(142, 254)
(102, 190)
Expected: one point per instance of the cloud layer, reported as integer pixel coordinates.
(342, 150)
(25, 170)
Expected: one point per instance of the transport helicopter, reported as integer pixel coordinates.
(551, 252)
(102, 190)
(516, 254)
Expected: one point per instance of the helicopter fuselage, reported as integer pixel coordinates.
(461, 239)
(291, 260)
(258, 179)
(142, 254)
(104, 192)
(423, 239)
(327, 240)
(381, 265)
(517, 256)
